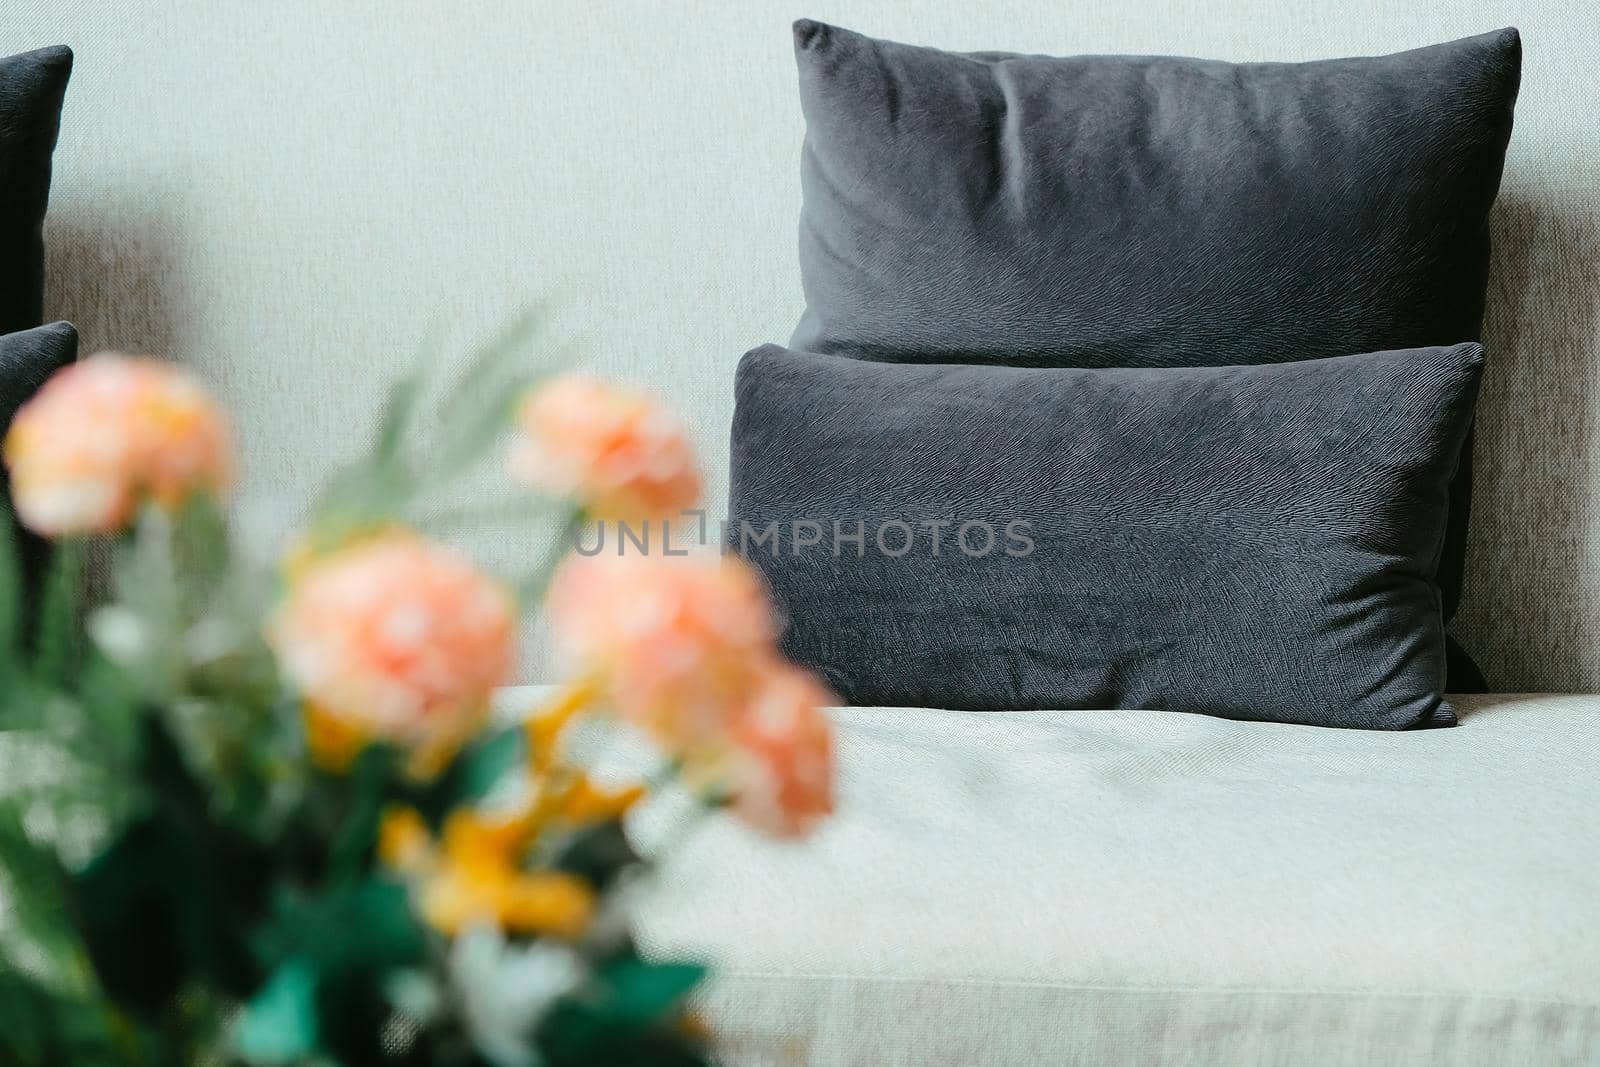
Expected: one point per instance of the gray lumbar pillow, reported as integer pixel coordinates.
(1105, 211)
(1252, 542)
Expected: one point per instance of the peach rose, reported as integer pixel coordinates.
(618, 453)
(106, 434)
(782, 760)
(678, 641)
(394, 638)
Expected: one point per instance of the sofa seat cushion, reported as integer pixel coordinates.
(1148, 887)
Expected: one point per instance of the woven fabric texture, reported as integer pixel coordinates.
(1139, 211)
(1150, 888)
(1256, 542)
(287, 197)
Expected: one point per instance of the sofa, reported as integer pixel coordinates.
(289, 198)
(1125, 887)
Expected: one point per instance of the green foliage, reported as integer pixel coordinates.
(364, 929)
(468, 778)
(330, 954)
(625, 1017)
(599, 854)
(10, 593)
(421, 449)
(368, 785)
(183, 633)
(43, 1027)
(59, 642)
(172, 899)
(182, 863)
(35, 890)
(331, 837)
(279, 1024)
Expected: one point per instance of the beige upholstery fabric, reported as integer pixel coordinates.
(1155, 888)
(287, 195)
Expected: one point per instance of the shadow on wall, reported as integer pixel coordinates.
(114, 271)
(1531, 613)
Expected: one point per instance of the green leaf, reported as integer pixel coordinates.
(629, 1017)
(171, 900)
(397, 419)
(354, 931)
(202, 554)
(598, 854)
(470, 776)
(279, 1024)
(473, 414)
(485, 763)
(491, 361)
(11, 592)
(27, 705)
(369, 782)
(141, 629)
(535, 584)
(523, 509)
(28, 1035)
(60, 637)
(35, 891)
(643, 992)
(43, 1028)
(478, 409)
(112, 722)
(359, 499)
(471, 439)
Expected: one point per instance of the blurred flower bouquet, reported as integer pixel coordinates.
(267, 816)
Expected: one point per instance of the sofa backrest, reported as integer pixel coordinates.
(289, 195)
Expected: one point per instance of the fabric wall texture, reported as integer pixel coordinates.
(289, 196)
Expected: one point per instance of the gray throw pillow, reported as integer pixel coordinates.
(27, 359)
(1107, 211)
(1254, 542)
(32, 86)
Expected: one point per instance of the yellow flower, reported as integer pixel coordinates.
(476, 875)
(551, 903)
(475, 840)
(479, 878)
(403, 840)
(334, 742)
(585, 803)
(544, 728)
(543, 902)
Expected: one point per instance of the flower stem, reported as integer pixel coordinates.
(532, 590)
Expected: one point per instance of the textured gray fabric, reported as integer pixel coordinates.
(1149, 211)
(1138, 888)
(1252, 542)
(31, 89)
(482, 156)
(27, 358)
